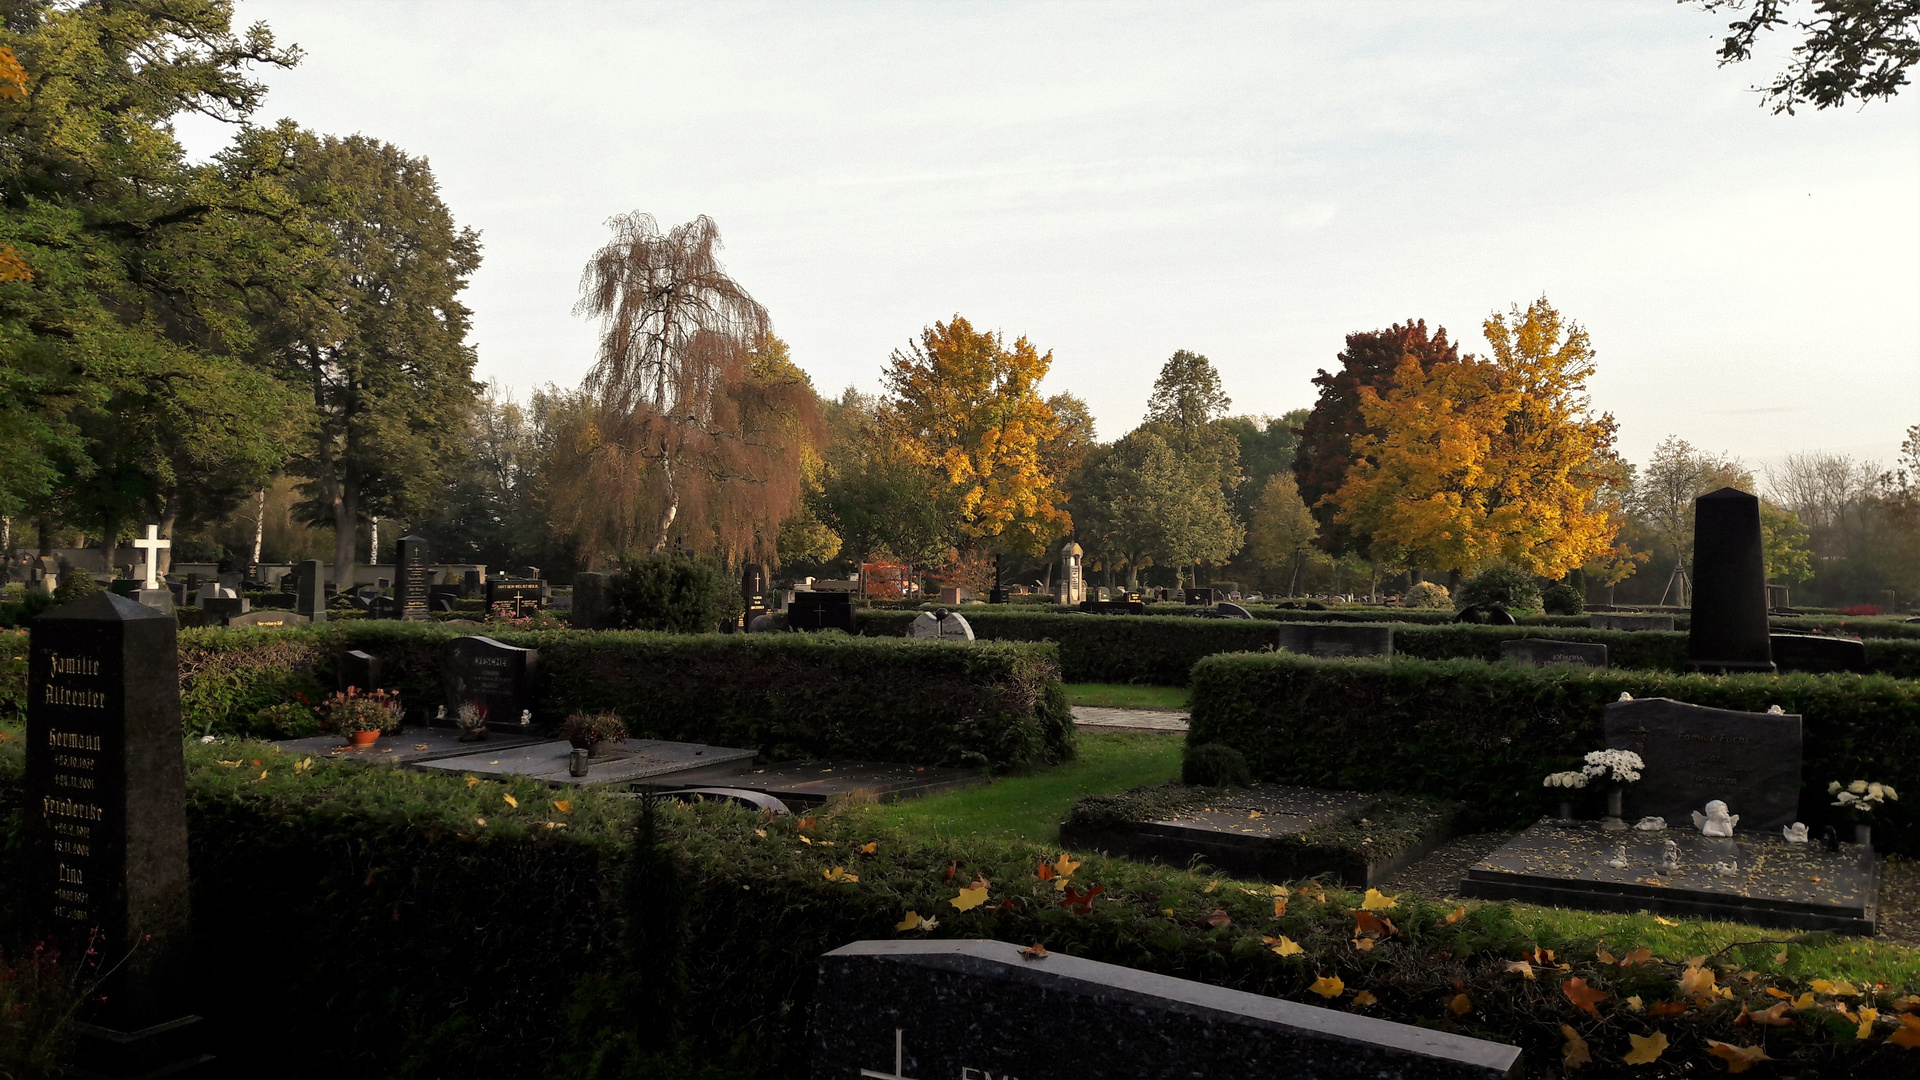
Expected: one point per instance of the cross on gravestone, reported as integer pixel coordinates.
(152, 546)
(106, 821)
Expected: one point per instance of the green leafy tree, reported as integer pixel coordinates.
(1281, 534)
(1147, 505)
(1784, 541)
(1847, 50)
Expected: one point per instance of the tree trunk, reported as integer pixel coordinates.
(672, 508)
(1293, 580)
(1453, 580)
(110, 542)
(45, 525)
(1373, 587)
(259, 526)
(1414, 576)
(346, 507)
(163, 558)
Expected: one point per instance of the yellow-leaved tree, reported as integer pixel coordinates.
(1478, 462)
(966, 407)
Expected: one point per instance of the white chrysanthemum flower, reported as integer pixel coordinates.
(1858, 787)
(1833, 788)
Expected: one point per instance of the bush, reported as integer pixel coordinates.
(1561, 598)
(352, 711)
(78, 583)
(671, 593)
(583, 730)
(1508, 586)
(1428, 595)
(1214, 765)
(1485, 734)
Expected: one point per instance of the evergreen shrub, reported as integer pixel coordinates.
(1214, 765)
(1561, 598)
(1508, 586)
(672, 593)
(1427, 595)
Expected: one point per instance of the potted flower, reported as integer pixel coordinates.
(361, 717)
(1566, 782)
(1860, 799)
(471, 719)
(1619, 768)
(596, 733)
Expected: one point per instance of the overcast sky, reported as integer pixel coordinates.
(1250, 182)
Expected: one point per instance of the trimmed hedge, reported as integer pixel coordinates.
(1485, 734)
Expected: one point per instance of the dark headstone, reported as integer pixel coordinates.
(106, 815)
(472, 584)
(1607, 621)
(498, 678)
(515, 596)
(966, 1010)
(1729, 627)
(1693, 754)
(309, 591)
(1233, 611)
(359, 669)
(222, 608)
(1545, 652)
(592, 602)
(821, 611)
(410, 588)
(444, 602)
(1336, 639)
(269, 618)
(1818, 652)
(1113, 607)
(1201, 597)
(762, 624)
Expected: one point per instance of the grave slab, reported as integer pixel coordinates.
(1545, 652)
(410, 745)
(1818, 652)
(1606, 621)
(634, 759)
(1336, 639)
(1795, 886)
(933, 1010)
(268, 618)
(1694, 754)
(812, 783)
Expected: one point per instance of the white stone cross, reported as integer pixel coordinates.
(152, 545)
(897, 1073)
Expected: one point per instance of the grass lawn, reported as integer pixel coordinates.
(1031, 807)
(1124, 696)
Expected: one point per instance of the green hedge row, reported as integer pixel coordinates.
(1486, 734)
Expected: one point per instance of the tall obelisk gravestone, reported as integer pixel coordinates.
(410, 589)
(107, 822)
(1729, 631)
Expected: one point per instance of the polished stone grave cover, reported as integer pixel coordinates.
(1798, 886)
(1328, 639)
(966, 1010)
(811, 783)
(633, 759)
(410, 745)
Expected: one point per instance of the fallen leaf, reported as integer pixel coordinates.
(1908, 1037)
(804, 824)
(511, 801)
(951, 868)
(1575, 1053)
(1668, 1008)
(1364, 997)
(1328, 986)
(839, 873)
(1045, 873)
(303, 764)
(969, 899)
(807, 841)
(1774, 991)
(1279, 907)
(472, 780)
(1521, 968)
(1219, 918)
(1375, 900)
(1038, 952)
(762, 833)
(1664, 922)
(1698, 983)
(1083, 902)
(911, 922)
(1781, 956)
(1286, 946)
(1461, 1005)
(1772, 1016)
(1584, 996)
(263, 772)
(1646, 1048)
(1252, 815)
(1867, 1017)
(1211, 885)
(869, 847)
(1842, 988)
(1637, 956)
(1907, 1003)
(1738, 1058)
(479, 821)
(1804, 1001)
(1455, 916)
(565, 806)
(1605, 957)
(1364, 944)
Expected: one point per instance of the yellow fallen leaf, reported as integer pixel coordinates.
(1211, 885)
(1781, 956)
(1281, 890)
(1364, 997)
(1575, 1053)
(1842, 988)
(1738, 1058)
(1908, 1037)
(565, 806)
(1064, 866)
(511, 801)
(1774, 991)
(839, 873)
(1867, 1017)
(1377, 901)
(1646, 1048)
(1455, 915)
(1697, 982)
(1604, 957)
(1804, 1001)
(806, 841)
(1364, 944)
(912, 921)
(1252, 814)
(1279, 907)
(869, 847)
(762, 833)
(1664, 922)
(1288, 947)
(263, 774)
(472, 780)
(969, 899)
(230, 764)
(1328, 986)
(1636, 1004)
(553, 824)
(479, 821)
(1038, 952)
(303, 764)
(1461, 1005)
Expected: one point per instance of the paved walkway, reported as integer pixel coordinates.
(1090, 716)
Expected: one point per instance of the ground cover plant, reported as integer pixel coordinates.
(1127, 696)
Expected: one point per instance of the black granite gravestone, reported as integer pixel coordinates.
(592, 602)
(514, 596)
(1113, 607)
(1545, 652)
(1336, 639)
(1201, 597)
(415, 578)
(1694, 754)
(472, 584)
(359, 669)
(309, 591)
(1818, 652)
(222, 608)
(269, 618)
(107, 823)
(968, 1010)
(821, 611)
(1729, 628)
(496, 677)
(1608, 621)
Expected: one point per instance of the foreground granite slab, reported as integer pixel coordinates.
(967, 1010)
(634, 759)
(1270, 831)
(1798, 886)
(811, 783)
(410, 745)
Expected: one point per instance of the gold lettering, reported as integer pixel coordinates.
(71, 740)
(50, 806)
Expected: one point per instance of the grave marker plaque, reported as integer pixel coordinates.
(592, 601)
(499, 678)
(940, 626)
(410, 588)
(1694, 754)
(821, 611)
(515, 597)
(1818, 652)
(106, 816)
(309, 591)
(1336, 639)
(1545, 652)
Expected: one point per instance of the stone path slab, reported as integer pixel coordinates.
(634, 759)
(1099, 718)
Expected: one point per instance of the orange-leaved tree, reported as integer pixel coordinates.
(966, 406)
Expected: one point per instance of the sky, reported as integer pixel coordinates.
(1114, 182)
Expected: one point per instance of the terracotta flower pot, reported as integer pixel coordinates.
(364, 738)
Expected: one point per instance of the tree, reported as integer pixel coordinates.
(1147, 505)
(701, 424)
(1663, 493)
(1187, 396)
(1267, 445)
(1849, 48)
(1280, 537)
(967, 408)
(376, 338)
(872, 497)
(1784, 545)
(1325, 451)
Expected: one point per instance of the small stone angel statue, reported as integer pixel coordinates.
(1795, 833)
(1716, 821)
(1670, 858)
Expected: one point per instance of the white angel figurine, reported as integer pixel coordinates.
(1795, 833)
(1716, 821)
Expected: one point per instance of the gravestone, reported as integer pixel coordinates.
(152, 591)
(754, 599)
(1694, 754)
(1336, 639)
(359, 669)
(515, 596)
(968, 1010)
(1818, 652)
(592, 602)
(1232, 611)
(1608, 621)
(410, 588)
(1113, 607)
(496, 677)
(940, 625)
(472, 584)
(1070, 588)
(309, 591)
(1201, 597)
(268, 618)
(106, 821)
(1728, 632)
(821, 611)
(1545, 652)
(222, 608)
(1777, 597)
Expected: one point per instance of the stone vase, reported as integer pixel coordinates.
(1566, 810)
(1616, 808)
(1863, 835)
